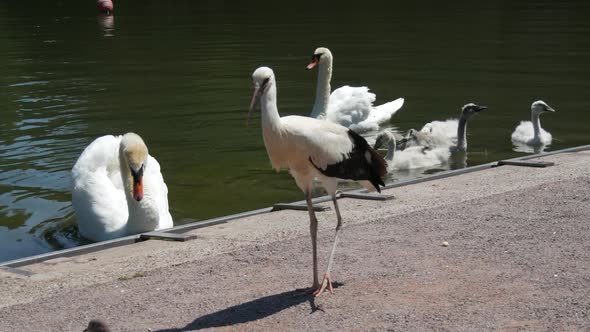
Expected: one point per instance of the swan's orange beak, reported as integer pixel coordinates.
(313, 63)
(138, 188)
(137, 183)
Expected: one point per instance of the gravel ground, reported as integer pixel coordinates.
(518, 258)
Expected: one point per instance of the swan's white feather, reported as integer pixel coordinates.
(352, 107)
(524, 133)
(417, 157)
(98, 195)
(154, 180)
(384, 112)
(442, 132)
(349, 105)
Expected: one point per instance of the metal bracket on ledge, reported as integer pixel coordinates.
(525, 163)
(369, 196)
(298, 207)
(166, 236)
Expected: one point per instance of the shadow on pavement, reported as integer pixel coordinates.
(251, 311)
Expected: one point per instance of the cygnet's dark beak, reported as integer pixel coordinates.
(480, 108)
(549, 109)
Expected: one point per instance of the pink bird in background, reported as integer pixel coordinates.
(105, 6)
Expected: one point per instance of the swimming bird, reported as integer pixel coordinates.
(451, 133)
(311, 148)
(389, 138)
(105, 6)
(351, 107)
(438, 142)
(118, 189)
(411, 157)
(530, 133)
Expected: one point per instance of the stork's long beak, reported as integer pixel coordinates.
(313, 63)
(255, 96)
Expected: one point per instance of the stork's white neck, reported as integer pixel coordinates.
(461, 133)
(323, 89)
(271, 119)
(143, 215)
(536, 121)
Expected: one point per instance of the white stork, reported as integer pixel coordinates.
(312, 148)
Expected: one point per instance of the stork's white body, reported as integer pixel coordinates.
(311, 148)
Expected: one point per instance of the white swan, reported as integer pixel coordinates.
(412, 157)
(529, 133)
(118, 189)
(450, 133)
(437, 143)
(351, 107)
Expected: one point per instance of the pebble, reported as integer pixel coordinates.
(444, 244)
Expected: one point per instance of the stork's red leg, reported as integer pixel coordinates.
(327, 281)
(313, 230)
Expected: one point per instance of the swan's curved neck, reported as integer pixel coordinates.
(391, 146)
(461, 133)
(323, 89)
(143, 215)
(536, 121)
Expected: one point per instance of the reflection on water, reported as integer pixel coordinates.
(36, 151)
(525, 148)
(178, 73)
(107, 24)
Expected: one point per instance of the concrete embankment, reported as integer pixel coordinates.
(518, 258)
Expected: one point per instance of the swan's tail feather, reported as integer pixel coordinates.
(391, 107)
(383, 113)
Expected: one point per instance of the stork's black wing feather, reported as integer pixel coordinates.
(362, 163)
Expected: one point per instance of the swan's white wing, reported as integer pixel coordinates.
(324, 142)
(97, 194)
(378, 115)
(384, 112)
(349, 105)
(158, 191)
(523, 132)
(442, 133)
